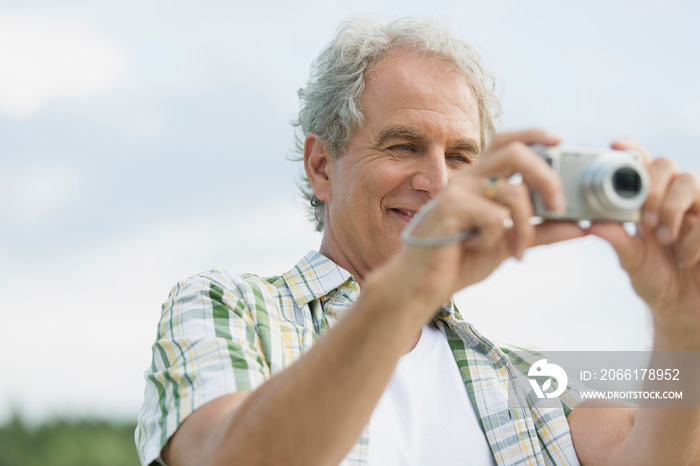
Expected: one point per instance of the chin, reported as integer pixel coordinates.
(391, 248)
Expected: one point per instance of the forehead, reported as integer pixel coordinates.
(425, 88)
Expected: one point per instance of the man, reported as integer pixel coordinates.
(305, 369)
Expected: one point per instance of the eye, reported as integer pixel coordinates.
(402, 148)
(460, 159)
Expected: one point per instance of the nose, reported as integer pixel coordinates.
(431, 174)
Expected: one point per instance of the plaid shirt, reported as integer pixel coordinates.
(221, 333)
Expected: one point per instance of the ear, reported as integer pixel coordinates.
(317, 165)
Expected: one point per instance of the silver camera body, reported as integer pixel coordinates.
(599, 184)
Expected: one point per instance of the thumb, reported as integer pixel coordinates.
(627, 247)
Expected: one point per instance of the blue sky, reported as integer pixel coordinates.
(145, 142)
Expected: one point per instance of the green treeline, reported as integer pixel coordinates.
(68, 443)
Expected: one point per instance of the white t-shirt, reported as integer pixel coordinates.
(424, 416)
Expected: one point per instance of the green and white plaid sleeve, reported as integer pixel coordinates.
(206, 347)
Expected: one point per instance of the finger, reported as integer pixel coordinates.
(554, 232)
(516, 157)
(516, 197)
(681, 196)
(489, 218)
(526, 136)
(462, 207)
(661, 173)
(626, 246)
(627, 143)
(688, 247)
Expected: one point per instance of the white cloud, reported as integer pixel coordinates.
(46, 58)
(31, 195)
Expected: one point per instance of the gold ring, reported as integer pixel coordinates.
(492, 184)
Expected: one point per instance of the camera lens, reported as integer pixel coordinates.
(626, 182)
(615, 185)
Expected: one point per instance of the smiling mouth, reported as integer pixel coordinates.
(406, 215)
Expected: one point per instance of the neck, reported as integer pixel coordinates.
(331, 250)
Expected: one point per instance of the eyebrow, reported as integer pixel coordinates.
(399, 132)
(411, 134)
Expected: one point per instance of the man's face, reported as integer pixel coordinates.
(421, 123)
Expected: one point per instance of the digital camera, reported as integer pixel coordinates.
(599, 184)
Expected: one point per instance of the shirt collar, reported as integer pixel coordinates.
(449, 311)
(313, 277)
(316, 276)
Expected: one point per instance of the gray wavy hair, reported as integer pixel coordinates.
(330, 102)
